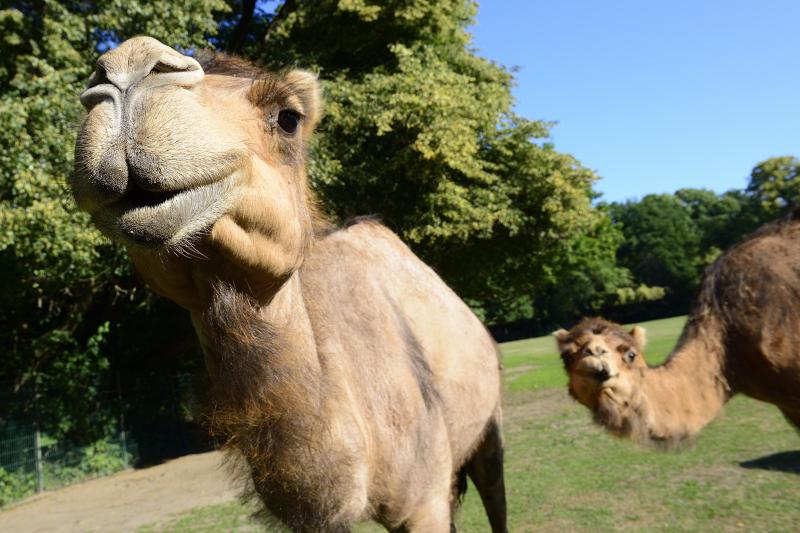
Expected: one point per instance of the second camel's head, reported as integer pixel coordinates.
(597, 353)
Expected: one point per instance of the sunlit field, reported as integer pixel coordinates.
(565, 474)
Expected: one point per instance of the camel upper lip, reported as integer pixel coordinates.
(600, 376)
(595, 375)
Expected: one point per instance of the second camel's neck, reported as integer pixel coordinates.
(688, 391)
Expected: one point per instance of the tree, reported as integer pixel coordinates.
(724, 219)
(775, 185)
(662, 244)
(66, 293)
(718, 219)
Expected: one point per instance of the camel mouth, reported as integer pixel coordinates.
(138, 197)
(594, 369)
(166, 219)
(600, 376)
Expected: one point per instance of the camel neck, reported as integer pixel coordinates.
(684, 394)
(261, 360)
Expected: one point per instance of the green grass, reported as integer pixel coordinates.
(565, 474)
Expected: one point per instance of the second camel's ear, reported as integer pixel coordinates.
(561, 335)
(563, 341)
(639, 334)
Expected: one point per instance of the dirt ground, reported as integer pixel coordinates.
(127, 500)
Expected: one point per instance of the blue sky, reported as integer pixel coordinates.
(655, 95)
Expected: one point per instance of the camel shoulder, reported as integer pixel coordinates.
(363, 240)
(367, 257)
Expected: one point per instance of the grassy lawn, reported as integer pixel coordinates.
(565, 474)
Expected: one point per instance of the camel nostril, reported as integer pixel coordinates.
(163, 68)
(173, 69)
(98, 77)
(145, 61)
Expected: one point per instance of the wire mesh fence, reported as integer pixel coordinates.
(29, 465)
(153, 424)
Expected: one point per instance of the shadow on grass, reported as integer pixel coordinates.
(782, 461)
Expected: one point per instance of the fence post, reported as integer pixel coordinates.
(37, 439)
(122, 424)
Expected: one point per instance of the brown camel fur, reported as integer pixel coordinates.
(743, 336)
(354, 383)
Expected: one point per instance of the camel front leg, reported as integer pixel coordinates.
(433, 517)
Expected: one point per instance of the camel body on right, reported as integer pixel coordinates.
(743, 336)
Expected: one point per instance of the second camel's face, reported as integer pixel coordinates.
(166, 149)
(596, 356)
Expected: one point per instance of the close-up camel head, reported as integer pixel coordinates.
(169, 151)
(597, 355)
(351, 382)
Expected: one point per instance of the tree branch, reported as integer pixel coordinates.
(285, 10)
(240, 33)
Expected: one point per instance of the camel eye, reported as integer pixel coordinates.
(288, 120)
(630, 356)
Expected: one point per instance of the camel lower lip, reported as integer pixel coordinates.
(166, 219)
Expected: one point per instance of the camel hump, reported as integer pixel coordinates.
(757, 282)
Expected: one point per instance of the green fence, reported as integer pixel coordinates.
(154, 423)
(32, 463)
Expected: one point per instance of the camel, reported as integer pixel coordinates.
(742, 336)
(351, 380)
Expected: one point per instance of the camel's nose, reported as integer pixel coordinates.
(141, 61)
(598, 359)
(596, 350)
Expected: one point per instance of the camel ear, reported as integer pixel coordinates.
(306, 86)
(562, 337)
(639, 334)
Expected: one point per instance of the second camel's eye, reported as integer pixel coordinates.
(288, 120)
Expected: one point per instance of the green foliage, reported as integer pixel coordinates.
(662, 243)
(58, 276)
(775, 185)
(99, 458)
(640, 293)
(15, 486)
(582, 274)
(713, 215)
(63, 463)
